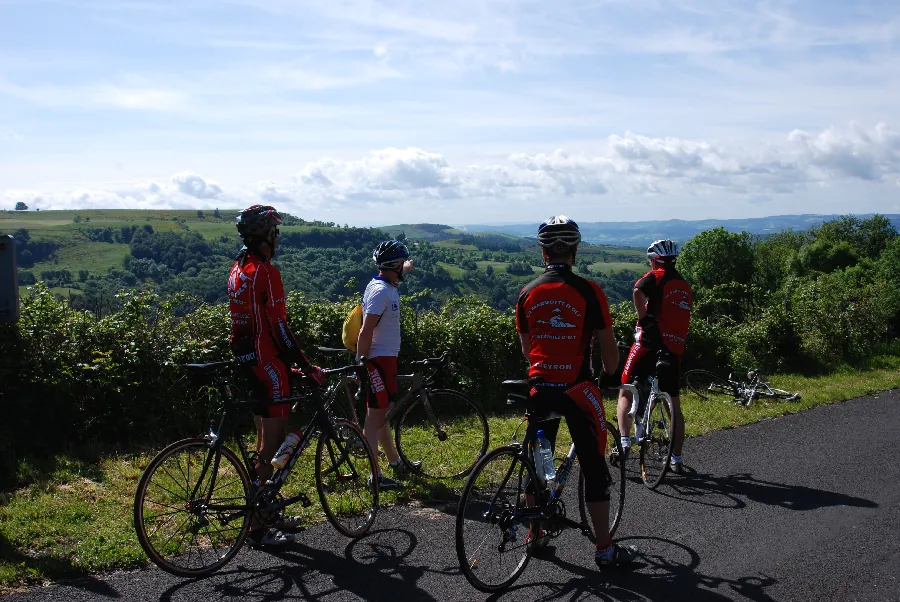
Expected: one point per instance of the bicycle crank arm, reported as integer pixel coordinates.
(302, 498)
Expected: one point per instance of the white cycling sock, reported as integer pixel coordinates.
(676, 459)
(626, 442)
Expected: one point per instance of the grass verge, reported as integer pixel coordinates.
(73, 516)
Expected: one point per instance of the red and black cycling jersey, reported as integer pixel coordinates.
(560, 311)
(259, 324)
(669, 300)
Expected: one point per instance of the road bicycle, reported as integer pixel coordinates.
(197, 499)
(710, 386)
(654, 418)
(439, 433)
(494, 521)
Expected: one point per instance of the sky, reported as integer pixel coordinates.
(374, 112)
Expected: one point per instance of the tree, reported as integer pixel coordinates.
(200, 213)
(716, 257)
(216, 214)
(21, 206)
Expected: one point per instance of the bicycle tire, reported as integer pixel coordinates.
(345, 458)
(196, 513)
(656, 447)
(616, 488)
(480, 504)
(450, 453)
(709, 386)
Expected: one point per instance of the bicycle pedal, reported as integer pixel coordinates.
(305, 501)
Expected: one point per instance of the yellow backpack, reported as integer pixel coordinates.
(352, 326)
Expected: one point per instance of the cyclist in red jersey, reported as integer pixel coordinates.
(263, 343)
(663, 301)
(560, 316)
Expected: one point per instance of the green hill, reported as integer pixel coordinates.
(91, 255)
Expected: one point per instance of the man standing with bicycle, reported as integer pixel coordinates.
(663, 301)
(560, 317)
(379, 344)
(263, 343)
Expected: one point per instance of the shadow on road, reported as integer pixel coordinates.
(742, 488)
(373, 567)
(666, 571)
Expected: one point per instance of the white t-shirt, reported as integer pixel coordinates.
(383, 299)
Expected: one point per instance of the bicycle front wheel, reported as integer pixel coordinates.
(447, 435)
(616, 486)
(656, 447)
(709, 386)
(191, 508)
(491, 536)
(345, 479)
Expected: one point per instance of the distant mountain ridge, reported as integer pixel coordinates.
(638, 233)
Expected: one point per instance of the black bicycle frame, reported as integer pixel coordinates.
(319, 421)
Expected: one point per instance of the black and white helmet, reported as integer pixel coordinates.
(257, 222)
(559, 232)
(663, 250)
(390, 255)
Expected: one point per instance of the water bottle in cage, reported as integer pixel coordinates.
(286, 450)
(546, 457)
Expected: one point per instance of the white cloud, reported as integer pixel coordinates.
(187, 191)
(622, 166)
(194, 185)
(101, 95)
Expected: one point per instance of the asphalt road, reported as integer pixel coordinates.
(804, 507)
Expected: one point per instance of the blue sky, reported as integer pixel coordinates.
(375, 112)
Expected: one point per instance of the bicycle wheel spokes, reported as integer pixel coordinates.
(191, 515)
(345, 471)
(491, 536)
(709, 386)
(656, 449)
(448, 437)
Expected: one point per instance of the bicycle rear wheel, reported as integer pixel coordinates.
(448, 437)
(656, 447)
(709, 386)
(491, 537)
(345, 479)
(782, 394)
(616, 486)
(191, 509)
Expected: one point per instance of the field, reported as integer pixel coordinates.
(83, 257)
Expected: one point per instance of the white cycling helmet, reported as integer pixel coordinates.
(559, 232)
(662, 249)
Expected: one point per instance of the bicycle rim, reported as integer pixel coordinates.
(616, 487)
(709, 386)
(189, 520)
(448, 440)
(491, 542)
(345, 479)
(656, 449)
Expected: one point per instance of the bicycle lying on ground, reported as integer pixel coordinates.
(710, 386)
(439, 433)
(197, 499)
(494, 520)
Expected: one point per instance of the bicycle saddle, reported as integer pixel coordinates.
(203, 369)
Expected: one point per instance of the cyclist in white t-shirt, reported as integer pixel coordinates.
(379, 344)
